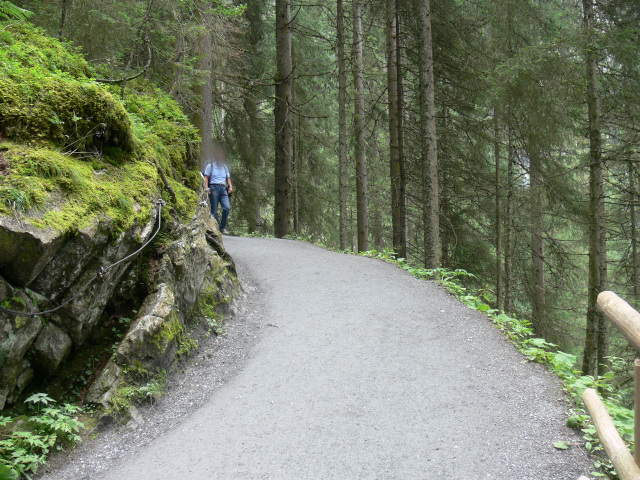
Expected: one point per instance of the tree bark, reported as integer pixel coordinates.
(635, 268)
(496, 154)
(401, 157)
(295, 149)
(204, 86)
(255, 149)
(342, 128)
(361, 156)
(508, 240)
(538, 310)
(283, 134)
(429, 148)
(597, 334)
(64, 8)
(511, 162)
(397, 202)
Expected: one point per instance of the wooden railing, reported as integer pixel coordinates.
(627, 320)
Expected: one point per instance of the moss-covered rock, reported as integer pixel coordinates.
(79, 180)
(46, 94)
(78, 115)
(195, 288)
(25, 46)
(149, 338)
(25, 250)
(164, 131)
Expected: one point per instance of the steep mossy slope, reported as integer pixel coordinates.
(80, 173)
(71, 151)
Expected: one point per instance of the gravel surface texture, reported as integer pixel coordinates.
(343, 367)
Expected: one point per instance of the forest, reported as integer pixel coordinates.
(498, 137)
(494, 142)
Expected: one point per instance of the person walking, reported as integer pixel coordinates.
(218, 181)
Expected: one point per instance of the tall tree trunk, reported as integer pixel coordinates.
(597, 335)
(429, 148)
(177, 85)
(397, 202)
(496, 155)
(283, 136)
(635, 268)
(342, 129)
(537, 244)
(204, 86)
(511, 163)
(295, 149)
(248, 147)
(361, 156)
(253, 194)
(508, 239)
(64, 8)
(401, 158)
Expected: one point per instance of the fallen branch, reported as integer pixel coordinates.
(132, 77)
(164, 178)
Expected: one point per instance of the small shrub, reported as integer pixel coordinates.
(26, 442)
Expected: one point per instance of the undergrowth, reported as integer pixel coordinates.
(26, 441)
(520, 332)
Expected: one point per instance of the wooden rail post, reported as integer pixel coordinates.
(636, 410)
(627, 321)
(622, 315)
(613, 444)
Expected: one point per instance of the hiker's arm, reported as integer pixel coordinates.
(230, 187)
(206, 182)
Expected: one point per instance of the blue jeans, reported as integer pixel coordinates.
(218, 194)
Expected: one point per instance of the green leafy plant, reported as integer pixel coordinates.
(10, 11)
(132, 392)
(26, 442)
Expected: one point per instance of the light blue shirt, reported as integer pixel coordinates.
(216, 173)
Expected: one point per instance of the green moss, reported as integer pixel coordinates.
(163, 129)
(207, 309)
(51, 109)
(77, 114)
(46, 93)
(24, 46)
(173, 333)
(129, 393)
(41, 176)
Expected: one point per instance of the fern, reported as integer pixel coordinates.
(10, 11)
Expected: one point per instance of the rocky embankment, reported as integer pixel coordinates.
(42, 268)
(81, 170)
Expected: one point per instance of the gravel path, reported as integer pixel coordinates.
(343, 367)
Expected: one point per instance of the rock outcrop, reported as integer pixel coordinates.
(51, 267)
(80, 172)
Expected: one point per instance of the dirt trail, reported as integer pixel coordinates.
(356, 370)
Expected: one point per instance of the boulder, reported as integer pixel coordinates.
(17, 333)
(50, 348)
(23, 379)
(148, 344)
(193, 268)
(25, 250)
(184, 265)
(73, 258)
(104, 385)
(78, 262)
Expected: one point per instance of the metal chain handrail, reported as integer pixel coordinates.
(102, 271)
